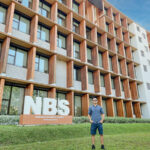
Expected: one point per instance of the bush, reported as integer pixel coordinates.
(14, 120)
(113, 120)
(9, 120)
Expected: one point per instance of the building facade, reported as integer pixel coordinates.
(69, 49)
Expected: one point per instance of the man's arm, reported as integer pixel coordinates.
(102, 120)
(90, 118)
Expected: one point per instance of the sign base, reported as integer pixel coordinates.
(44, 119)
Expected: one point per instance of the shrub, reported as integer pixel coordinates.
(9, 120)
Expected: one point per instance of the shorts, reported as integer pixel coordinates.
(95, 126)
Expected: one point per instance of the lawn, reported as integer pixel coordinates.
(74, 137)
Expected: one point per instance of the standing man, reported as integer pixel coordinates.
(96, 117)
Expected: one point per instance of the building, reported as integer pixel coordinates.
(73, 50)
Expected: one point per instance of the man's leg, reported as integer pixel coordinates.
(93, 139)
(102, 139)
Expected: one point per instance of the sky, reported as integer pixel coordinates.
(137, 10)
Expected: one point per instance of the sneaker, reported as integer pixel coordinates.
(93, 146)
(102, 147)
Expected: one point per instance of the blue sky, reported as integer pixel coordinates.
(137, 10)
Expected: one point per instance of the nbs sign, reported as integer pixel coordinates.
(97, 3)
(45, 111)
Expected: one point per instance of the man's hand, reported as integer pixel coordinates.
(91, 121)
(101, 121)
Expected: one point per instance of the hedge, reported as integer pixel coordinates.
(14, 120)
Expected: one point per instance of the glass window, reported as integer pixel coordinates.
(61, 41)
(39, 93)
(104, 107)
(17, 57)
(2, 15)
(0, 48)
(119, 64)
(41, 64)
(89, 55)
(76, 26)
(122, 88)
(102, 80)
(88, 33)
(20, 23)
(124, 108)
(115, 108)
(43, 33)
(44, 9)
(27, 3)
(90, 77)
(76, 50)
(75, 6)
(99, 38)
(107, 27)
(77, 106)
(100, 60)
(112, 83)
(110, 63)
(105, 11)
(77, 74)
(61, 19)
(62, 1)
(12, 102)
(90, 101)
(108, 44)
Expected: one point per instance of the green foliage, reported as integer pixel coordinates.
(9, 120)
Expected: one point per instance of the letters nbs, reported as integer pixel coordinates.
(45, 111)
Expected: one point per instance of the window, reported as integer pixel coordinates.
(107, 27)
(122, 88)
(44, 9)
(140, 39)
(27, 3)
(145, 68)
(110, 63)
(75, 6)
(114, 16)
(62, 1)
(76, 50)
(108, 43)
(138, 29)
(39, 93)
(122, 21)
(142, 53)
(88, 33)
(99, 38)
(102, 80)
(91, 101)
(60, 96)
(76, 26)
(104, 106)
(148, 62)
(119, 65)
(115, 31)
(61, 19)
(146, 48)
(77, 105)
(89, 55)
(61, 41)
(21, 23)
(148, 86)
(105, 10)
(112, 83)
(2, 15)
(143, 35)
(90, 77)
(115, 107)
(12, 102)
(43, 33)
(100, 59)
(17, 57)
(117, 47)
(77, 73)
(124, 108)
(41, 64)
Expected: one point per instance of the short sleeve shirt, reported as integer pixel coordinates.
(95, 113)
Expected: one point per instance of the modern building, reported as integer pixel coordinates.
(71, 49)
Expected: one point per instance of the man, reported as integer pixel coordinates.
(96, 117)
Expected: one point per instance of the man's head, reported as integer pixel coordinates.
(94, 101)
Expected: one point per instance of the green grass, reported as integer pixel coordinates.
(74, 137)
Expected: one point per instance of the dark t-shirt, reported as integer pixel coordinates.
(95, 113)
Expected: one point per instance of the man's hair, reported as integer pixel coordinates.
(94, 98)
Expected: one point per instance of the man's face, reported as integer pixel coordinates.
(95, 101)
